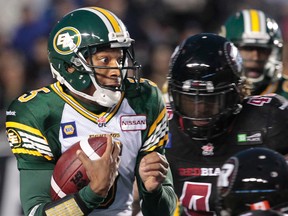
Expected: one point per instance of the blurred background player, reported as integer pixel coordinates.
(214, 118)
(259, 40)
(253, 179)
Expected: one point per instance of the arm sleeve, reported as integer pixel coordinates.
(162, 201)
(36, 161)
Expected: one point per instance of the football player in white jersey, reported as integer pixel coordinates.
(91, 54)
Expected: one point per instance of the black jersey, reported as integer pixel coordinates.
(263, 121)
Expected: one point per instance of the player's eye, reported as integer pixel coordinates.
(120, 61)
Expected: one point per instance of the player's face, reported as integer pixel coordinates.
(199, 107)
(254, 60)
(110, 77)
(108, 58)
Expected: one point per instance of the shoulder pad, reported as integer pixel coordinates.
(263, 100)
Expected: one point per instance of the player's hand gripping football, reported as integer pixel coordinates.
(102, 172)
(153, 170)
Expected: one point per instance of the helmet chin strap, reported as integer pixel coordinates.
(255, 80)
(104, 97)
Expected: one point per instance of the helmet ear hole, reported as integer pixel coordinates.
(76, 77)
(70, 69)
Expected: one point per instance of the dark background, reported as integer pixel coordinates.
(156, 25)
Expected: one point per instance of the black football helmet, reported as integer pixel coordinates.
(253, 179)
(204, 84)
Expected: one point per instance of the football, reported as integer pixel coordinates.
(69, 175)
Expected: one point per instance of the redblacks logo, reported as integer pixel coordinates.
(199, 171)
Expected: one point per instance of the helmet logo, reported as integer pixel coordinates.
(66, 40)
(226, 177)
(208, 85)
(233, 57)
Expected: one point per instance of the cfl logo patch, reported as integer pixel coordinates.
(101, 121)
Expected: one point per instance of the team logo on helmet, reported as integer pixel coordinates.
(227, 176)
(233, 57)
(66, 40)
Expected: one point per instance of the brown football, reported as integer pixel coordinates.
(69, 175)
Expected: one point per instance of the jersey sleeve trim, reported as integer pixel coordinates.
(57, 88)
(156, 122)
(158, 133)
(27, 140)
(25, 128)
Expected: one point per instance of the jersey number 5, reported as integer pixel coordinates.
(26, 97)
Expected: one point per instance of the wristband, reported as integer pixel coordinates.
(70, 205)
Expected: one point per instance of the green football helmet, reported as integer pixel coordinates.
(75, 38)
(252, 28)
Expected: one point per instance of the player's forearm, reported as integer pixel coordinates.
(161, 202)
(90, 199)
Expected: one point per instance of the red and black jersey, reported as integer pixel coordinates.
(262, 122)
